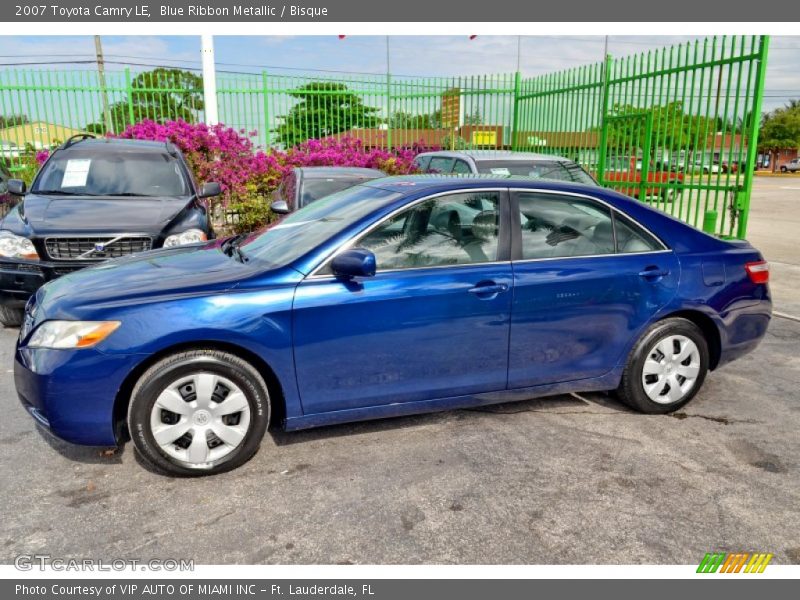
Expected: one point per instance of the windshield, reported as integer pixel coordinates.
(312, 225)
(93, 172)
(314, 189)
(540, 169)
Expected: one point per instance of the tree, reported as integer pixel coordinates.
(780, 129)
(13, 120)
(325, 108)
(159, 95)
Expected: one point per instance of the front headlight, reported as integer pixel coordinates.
(71, 334)
(16, 246)
(190, 236)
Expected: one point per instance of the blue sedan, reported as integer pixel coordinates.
(402, 295)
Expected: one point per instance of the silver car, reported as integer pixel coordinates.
(791, 167)
(503, 162)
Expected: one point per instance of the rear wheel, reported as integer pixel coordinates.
(198, 413)
(11, 317)
(666, 368)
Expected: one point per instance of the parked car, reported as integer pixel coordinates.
(791, 167)
(5, 197)
(503, 162)
(9, 149)
(402, 295)
(93, 200)
(624, 173)
(305, 185)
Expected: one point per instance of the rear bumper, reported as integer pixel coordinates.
(72, 392)
(19, 279)
(743, 329)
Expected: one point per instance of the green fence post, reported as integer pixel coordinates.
(752, 138)
(388, 111)
(515, 112)
(601, 160)
(646, 156)
(129, 89)
(265, 91)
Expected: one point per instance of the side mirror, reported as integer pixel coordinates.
(207, 190)
(17, 187)
(280, 207)
(356, 262)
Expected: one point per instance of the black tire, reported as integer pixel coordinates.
(631, 388)
(784, 169)
(11, 317)
(164, 373)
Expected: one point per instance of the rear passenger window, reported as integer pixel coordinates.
(563, 226)
(440, 164)
(632, 238)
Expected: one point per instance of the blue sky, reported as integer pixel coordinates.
(409, 55)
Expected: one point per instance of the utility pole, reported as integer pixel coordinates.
(209, 79)
(388, 98)
(101, 74)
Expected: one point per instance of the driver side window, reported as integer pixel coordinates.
(455, 229)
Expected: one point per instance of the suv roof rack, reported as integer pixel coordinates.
(172, 149)
(71, 141)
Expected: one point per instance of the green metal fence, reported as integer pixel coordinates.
(676, 128)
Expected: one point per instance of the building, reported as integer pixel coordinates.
(37, 135)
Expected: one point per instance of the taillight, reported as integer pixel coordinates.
(758, 271)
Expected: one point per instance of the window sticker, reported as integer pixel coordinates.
(501, 171)
(76, 173)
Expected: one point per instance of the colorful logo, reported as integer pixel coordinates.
(734, 562)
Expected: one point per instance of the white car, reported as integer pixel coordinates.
(791, 167)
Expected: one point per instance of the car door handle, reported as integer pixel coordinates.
(488, 289)
(653, 273)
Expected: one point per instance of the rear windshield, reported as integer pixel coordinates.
(307, 228)
(314, 189)
(100, 172)
(540, 169)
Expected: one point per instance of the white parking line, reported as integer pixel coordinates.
(785, 316)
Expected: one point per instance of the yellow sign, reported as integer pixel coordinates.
(484, 138)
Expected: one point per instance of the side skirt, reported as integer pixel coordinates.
(609, 381)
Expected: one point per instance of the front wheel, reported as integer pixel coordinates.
(198, 413)
(666, 368)
(11, 317)
(784, 169)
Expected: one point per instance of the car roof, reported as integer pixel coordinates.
(122, 144)
(508, 155)
(407, 184)
(333, 172)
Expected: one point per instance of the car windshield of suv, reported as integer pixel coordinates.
(310, 226)
(539, 169)
(314, 189)
(107, 172)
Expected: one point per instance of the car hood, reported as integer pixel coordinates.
(53, 214)
(147, 277)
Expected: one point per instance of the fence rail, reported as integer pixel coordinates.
(676, 128)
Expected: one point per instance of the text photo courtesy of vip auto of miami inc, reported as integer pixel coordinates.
(399, 300)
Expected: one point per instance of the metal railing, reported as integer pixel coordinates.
(676, 128)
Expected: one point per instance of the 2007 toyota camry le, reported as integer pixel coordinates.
(402, 295)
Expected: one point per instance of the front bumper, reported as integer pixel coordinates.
(72, 392)
(19, 279)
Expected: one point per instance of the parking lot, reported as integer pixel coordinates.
(568, 479)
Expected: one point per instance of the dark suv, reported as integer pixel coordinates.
(503, 162)
(94, 200)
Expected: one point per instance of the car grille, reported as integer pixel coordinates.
(95, 248)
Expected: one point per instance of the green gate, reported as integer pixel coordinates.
(676, 128)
